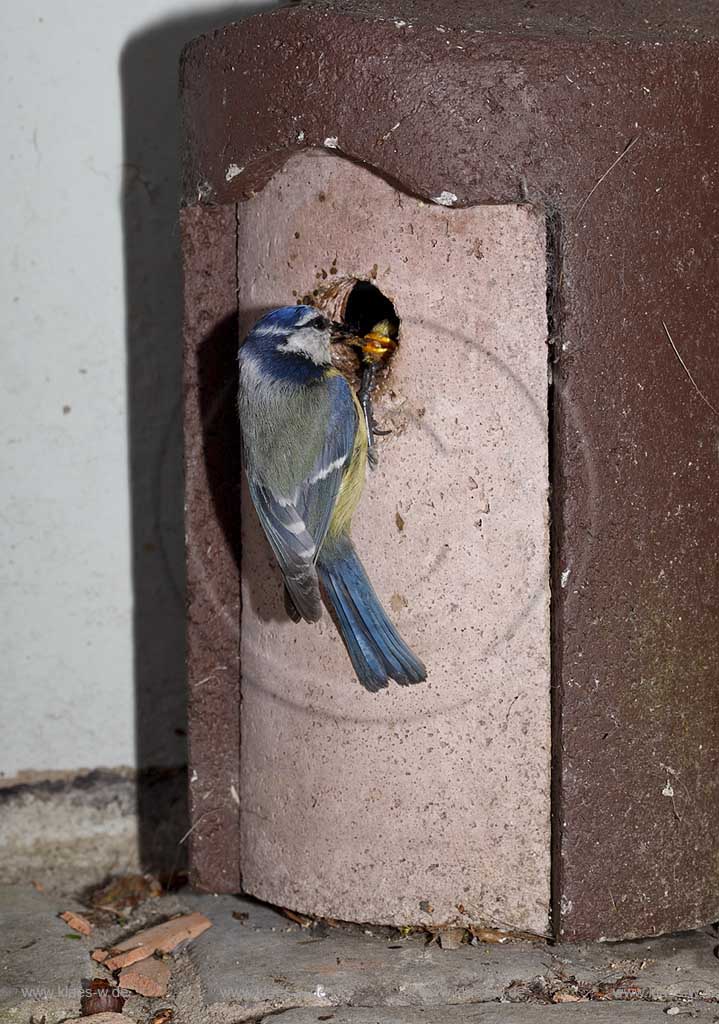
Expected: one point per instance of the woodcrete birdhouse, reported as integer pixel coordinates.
(530, 191)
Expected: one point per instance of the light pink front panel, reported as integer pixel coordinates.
(427, 804)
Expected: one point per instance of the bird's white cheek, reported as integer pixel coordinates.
(315, 343)
(312, 344)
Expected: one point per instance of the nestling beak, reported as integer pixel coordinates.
(378, 343)
(375, 345)
(340, 332)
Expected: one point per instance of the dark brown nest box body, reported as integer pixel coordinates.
(534, 191)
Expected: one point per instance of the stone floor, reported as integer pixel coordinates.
(254, 965)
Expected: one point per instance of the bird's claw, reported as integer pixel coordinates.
(365, 398)
(372, 429)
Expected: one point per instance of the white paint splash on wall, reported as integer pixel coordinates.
(232, 172)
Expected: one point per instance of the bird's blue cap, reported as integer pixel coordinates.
(286, 317)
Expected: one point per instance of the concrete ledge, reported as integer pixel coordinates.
(254, 964)
(71, 830)
(578, 1013)
(264, 963)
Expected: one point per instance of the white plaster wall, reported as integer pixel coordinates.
(71, 526)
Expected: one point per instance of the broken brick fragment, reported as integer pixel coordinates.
(77, 922)
(162, 938)
(148, 977)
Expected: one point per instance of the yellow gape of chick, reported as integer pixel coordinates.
(379, 343)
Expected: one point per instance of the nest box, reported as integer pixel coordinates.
(532, 195)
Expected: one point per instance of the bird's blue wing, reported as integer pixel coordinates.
(296, 524)
(318, 493)
(293, 545)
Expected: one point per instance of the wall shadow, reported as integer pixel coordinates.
(153, 286)
(217, 382)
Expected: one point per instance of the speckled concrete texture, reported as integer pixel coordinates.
(427, 805)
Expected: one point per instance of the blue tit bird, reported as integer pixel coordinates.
(305, 453)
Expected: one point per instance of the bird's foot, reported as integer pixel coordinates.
(369, 371)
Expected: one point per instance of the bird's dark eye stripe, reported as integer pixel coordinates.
(319, 322)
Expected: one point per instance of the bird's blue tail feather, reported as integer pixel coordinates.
(377, 651)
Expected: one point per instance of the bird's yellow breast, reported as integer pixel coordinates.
(353, 479)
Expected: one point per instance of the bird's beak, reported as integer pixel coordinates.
(342, 333)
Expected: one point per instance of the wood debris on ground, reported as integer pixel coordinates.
(162, 938)
(162, 1016)
(122, 894)
(451, 938)
(567, 997)
(76, 921)
(561, 988)
(136, 957)
(148, 977)
(303, 920)
(300, 919)
(100, 996)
